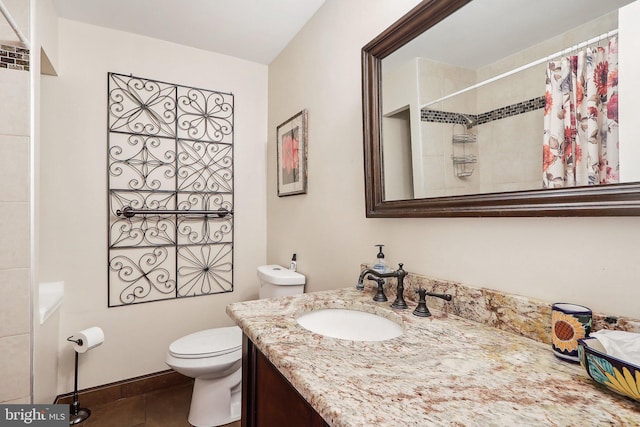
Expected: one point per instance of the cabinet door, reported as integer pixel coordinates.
(269, 400)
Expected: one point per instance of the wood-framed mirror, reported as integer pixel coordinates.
(610, 199)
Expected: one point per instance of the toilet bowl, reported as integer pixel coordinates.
(214, 357)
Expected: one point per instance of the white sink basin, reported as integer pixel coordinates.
(350, 325)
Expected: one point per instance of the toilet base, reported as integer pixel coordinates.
(215, 402)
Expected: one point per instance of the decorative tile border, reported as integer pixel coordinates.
(14, 58)
(521, 315)
(437, 116)
(512, 110)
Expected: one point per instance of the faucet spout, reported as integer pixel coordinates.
(400, 274)
(360, 285)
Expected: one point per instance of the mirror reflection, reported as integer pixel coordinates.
(506, 96)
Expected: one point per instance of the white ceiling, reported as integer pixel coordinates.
(258, 30)
(255, 30)
(486, 30)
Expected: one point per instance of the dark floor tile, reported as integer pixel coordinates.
(166, 407)
(121, 413)
(169, 407)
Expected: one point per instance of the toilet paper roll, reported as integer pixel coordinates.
(89, 338)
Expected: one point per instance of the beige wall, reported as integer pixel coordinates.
(45, 340)
(73, 196)
(591, 261)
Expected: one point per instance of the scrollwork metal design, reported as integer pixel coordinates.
(141, 231)
(170, 149)
(208, 228)
(141, 106)
(204, 115)
(204, 269)
(147, 162)
(143, 277)
(204, 166)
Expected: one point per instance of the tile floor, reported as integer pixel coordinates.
(167, 407)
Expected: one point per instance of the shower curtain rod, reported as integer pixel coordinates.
(13, 24)
(526, 66)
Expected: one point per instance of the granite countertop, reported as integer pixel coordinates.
(443, 371)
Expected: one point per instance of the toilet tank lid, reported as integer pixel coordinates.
(278, 275)
(207, 343)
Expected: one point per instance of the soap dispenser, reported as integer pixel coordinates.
(293, 266)
(380, 265)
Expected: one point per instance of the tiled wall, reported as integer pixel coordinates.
(15, 338)
(14, 58)
(437, 79)
(508, 143)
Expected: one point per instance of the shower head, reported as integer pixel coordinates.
(470, 122)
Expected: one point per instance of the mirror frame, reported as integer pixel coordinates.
(605, 200)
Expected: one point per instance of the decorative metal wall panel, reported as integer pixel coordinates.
(170, 175)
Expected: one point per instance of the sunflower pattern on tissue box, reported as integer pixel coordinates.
(620, 376)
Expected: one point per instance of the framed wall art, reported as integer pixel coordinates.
(291, 142)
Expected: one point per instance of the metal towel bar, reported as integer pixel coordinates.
(129, 212)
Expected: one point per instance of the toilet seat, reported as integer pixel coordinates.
(207, 343)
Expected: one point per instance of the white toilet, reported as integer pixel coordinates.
(214, 356)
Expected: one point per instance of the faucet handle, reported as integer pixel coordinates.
(422, 310)
(446, 297)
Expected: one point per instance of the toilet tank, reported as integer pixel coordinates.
(277, 281)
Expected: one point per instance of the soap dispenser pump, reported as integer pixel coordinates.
(380, 265)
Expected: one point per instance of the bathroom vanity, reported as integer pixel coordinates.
(443, 370)
(265, 389)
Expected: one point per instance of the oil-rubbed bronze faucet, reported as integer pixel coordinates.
(422, 310)
(400, 274)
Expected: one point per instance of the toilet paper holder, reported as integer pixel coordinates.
(76, 341)
(77, 414)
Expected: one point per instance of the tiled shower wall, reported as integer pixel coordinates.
(437, 79)
(509, 112)
(15, 336)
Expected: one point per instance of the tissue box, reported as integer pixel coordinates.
(615, 374)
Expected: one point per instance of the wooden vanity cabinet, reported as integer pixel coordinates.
(268, 399)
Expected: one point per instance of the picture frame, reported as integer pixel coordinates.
(291, 142)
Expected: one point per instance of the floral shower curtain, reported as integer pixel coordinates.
(581, 119)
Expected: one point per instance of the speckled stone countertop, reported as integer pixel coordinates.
(443, 371)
